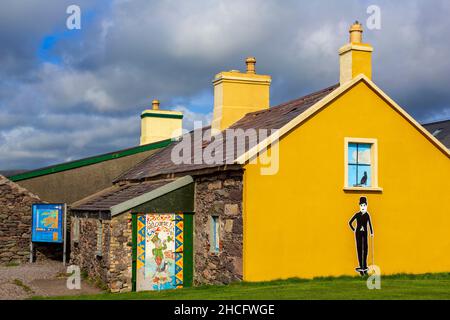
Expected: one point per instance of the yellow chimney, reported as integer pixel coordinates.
(355, 56)
(237, 93)
(157, 125)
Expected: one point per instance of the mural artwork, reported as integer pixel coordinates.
(363, 223)
(159, 252)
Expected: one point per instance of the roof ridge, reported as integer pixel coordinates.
(435, 122)
(305, 97)
(63, 166)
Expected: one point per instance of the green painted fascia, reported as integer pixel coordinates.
(134, 251)
(88, 161)
(188, 250)
(162, 115)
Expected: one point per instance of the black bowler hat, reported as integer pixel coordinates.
(363, 200)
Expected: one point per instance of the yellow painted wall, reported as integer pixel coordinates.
(296, 222)
(155, 129)
(355, 59)
(361, 63)
(236, 94)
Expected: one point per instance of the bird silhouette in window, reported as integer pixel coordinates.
(364, 179)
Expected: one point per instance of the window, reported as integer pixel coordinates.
(361, 163)
(75, 230)
(215, 235)
(99, 251)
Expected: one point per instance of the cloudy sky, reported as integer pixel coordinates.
(67, 94)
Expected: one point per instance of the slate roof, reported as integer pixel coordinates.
(105, 199)
(160, 163)
(440, 130)
(273, 118)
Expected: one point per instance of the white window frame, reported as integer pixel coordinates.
(99, 251)
(373, 164)
(76, 230)
(212, 240)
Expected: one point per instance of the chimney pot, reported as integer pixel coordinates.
(251, 61)
(356, 32)
(155, 104)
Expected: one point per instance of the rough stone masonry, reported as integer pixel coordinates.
(218, 195)
(15, 221)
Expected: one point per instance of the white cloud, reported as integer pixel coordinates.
(189, 117)
(133, 51)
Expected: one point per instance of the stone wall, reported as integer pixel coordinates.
(15, 222)
(113, 267)
(121, 253)
(84, 252)
(218, 195)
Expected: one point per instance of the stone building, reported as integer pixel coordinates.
(115, 211)
(71, 181)
(15, 221)
(276, 201)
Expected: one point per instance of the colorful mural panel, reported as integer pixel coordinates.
(159, 252)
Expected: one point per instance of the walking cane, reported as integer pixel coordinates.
(373, 250)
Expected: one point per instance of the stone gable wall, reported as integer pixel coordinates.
(113, 268)
(84, 252)
(218, 195)
(121, 253)
(15, 222)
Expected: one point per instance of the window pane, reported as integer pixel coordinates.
(216, 234)
(75, 229)
(99, 238)
(352, 153)
(364, 153)
(352, 175)
(364, 176)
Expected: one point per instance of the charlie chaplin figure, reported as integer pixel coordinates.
(362, 221)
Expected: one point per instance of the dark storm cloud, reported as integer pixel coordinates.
(69, 94)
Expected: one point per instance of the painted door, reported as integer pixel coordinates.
(159, 260)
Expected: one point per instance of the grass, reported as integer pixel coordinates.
(25, 288)
(402, 286)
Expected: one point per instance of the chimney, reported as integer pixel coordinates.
(355, 57)
(237, 93)
(157, 125)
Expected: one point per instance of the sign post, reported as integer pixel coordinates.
(48, 225)
(65, 234)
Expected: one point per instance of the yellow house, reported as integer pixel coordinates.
(296, 221)
(279, 204)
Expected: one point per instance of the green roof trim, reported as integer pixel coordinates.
(89, 161)
(162, 115)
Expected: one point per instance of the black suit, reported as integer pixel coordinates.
(362, 221)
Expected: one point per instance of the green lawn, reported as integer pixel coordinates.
(427, 286)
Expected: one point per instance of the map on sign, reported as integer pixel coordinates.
(47, 219)
(47, 223)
